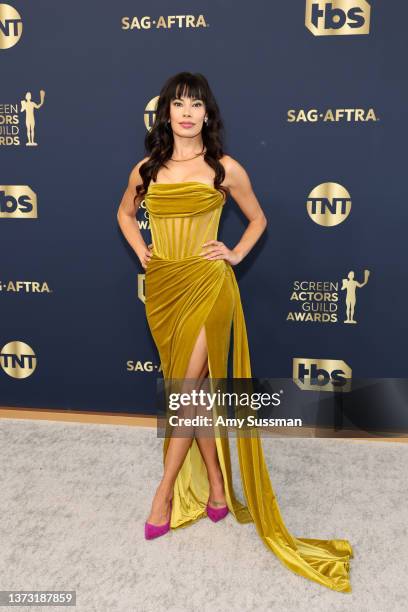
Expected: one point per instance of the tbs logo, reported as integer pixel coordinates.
(339, 17)
(17, 202)
(321, 374)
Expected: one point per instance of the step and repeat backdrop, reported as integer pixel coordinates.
(313, 95)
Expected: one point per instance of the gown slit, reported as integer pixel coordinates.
(191, 489)
(185, 292)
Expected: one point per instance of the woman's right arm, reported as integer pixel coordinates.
(126, 216)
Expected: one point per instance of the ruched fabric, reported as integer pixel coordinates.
(185, 291)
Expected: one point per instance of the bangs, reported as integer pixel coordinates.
(188, 89)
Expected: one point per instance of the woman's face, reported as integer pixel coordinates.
(187, 116)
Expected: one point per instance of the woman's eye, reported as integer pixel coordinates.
(198, 104)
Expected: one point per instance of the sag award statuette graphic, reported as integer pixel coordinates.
(27, 107)
(350, 285)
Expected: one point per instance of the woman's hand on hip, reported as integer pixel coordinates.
(215, 249)
(145, 255)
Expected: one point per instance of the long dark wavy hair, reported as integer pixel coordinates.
(159, 140)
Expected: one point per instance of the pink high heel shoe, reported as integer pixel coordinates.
(154, 531)
(216, 514)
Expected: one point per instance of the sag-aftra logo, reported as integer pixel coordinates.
(338, 17)
(165, 22)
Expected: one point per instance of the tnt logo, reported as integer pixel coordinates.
(340, 17)
(328, 204)
(18, 359)
(150, 112)
(11, 26)
(18, 202)
(321, 374)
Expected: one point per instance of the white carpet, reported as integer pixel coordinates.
(74, 498)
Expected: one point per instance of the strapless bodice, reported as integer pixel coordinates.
(182, 217)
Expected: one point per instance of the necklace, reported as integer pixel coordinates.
(181, 160)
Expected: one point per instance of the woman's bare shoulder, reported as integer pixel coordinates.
(134, 177)
(234, 171)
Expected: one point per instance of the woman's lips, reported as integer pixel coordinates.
(187, 125)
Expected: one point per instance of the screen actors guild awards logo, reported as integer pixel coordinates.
(314, 301)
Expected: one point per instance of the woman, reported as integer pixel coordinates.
(192, 302)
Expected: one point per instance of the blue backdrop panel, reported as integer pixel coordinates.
(89, 333)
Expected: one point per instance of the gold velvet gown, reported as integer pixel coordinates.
(185, 291)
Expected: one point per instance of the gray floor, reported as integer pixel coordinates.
(74, 499)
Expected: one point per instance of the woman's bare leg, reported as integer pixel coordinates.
(208, 448)
(178, 446)
(208, 451)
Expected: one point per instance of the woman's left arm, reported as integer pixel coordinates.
(237, 180)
